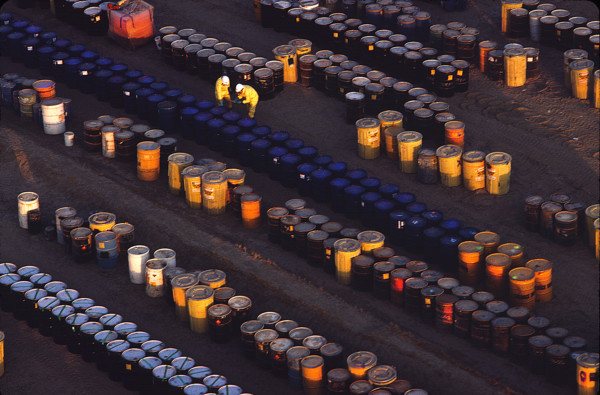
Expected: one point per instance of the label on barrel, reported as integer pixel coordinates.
(450, 77)
(400, 225)
(58, 62)
(335, 35)
(385, 276)
(459, 72)
(195, 186)
(209, 193)
(373, 97)
(100, 245)
(83, 72)
(370, 47)
(432, 72)
(530, 59)
(30, 49)
(297, 20)
(126, 93)
(96, 19)
(583, 76)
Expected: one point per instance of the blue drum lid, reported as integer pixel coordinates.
(389, 189)
(28, 271)
(118, 67)
(7, 267)
(67, 295)
(451, 240)
(168, 354)
(189, 111)
(82, 303)
(322, 160)
(205, 104)
(306, 168)
(89, 56)
(416, 222)
(87, 66)
(261, 144)
(218, 111)
(405, 198)
(45, 50)
(48, 302)
(152, 345)
(261, 131)
(279, 137)
(138, 337)
(159, 86)
(384, 205)
(55, 286)
(416, 207)
(339, 182)
(450, 224)
(291, 159)
(105, 336)
(432, 215)
(62, 310)
(40, 278)
(134, 74)
(187, 100)
(148, 79)
(203, 117)
(104, 62)
(356, 174)
(183, 363)
(216, 123)
(336, 166)
(62, 43)
(149, 363)
(468, 233)
(370, 197)
(434, 232)
(246, 137)
(370, 182)
(96, 311)
(247, 122)
(104, 73)
(294, 144)
(354, 190)
(155, 98)
(91, 328)
(230, 130)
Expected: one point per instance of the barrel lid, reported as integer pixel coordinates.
(102, 218)
(63, 310)
(163, 372)
(482, 297)
(111, 319)
(347, 245)
(55, 286)
(565, 217)
(125, 328)
(277, 212)
(557, 350)
(71, 222)
(300, 333)
(219, 310)
(466, 305)
(581, 64)
(35, 294)
(588, 359)
(284, 50)
(382, 374)
(105, 336)
(96, 311)
(133, 354)
(305, 227)
(497, 306)
(91, 327)
(363, 260)
(168, 354)
(281, 344)
(199, 292)
(216, 58)
(184, 280)
(574, 342)
(180, 158)
(213, 177)
(416, 282)
(518, 312)
(483, 315)
(180, 381)
(539, 265)
(384, 267)
(152, 345)
(251, 327)
(199, 372)
(463, 291)
(21, 286)
(290, 219)
(77, 319)
(521, 274)
(312, 361)
(300, 43)
(448, 283)
(82, 303)
(498, 259)
(215, 381)
(297, 353)
(338, 375)
(205, 52)
(361, 359)
(40, 278)
(192, 48)
(432, 290)
(318, 219)
(47, 302)
(306, 212)
(263, 335)
(183, 363)
(149, 362)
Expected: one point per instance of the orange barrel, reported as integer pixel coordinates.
(473, 170)
(370, 240)
(45, 89)
(591, 214)
(192, 185)
(455, 133)
(313, 370)
(177, 163)
(597, 238)
(497, 266)
(497, 173)
(369, 137)
(287, 55)
(388, 119)
(108, 140)
(148, 160)
(514, 251)
(359, 364)
(250, 204)
(596, 96)
(470, 262)
(484, 49)
(508, 5)
(409, 145)
(235, 177)
(587, 373)
(179, 285)
(214, 192)
(198, 299)
(543, 279)
(390, 135)
(522, 287)
(345, 250)
(450, 164)
(1, 353)
(489, 240)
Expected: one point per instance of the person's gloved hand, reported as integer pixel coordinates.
(220, 102)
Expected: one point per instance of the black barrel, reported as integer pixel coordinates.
(533, 55)
(518, 23)
(263, 78)
(445, 81)
(461, 74)
(495, 65)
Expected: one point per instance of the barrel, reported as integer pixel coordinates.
(449, 159)
(581, 78)
(587, 373)
(455, 133)
(497, 267)
(214, 192)
(368, 130)
(27, 201)
(522, 287)
(470, 262)
(473, 170)
(287, 55)
(359, 363)
(543, 279)
(106, 249)
(45, 89)
(177, 163)
(497, 174)
(198, 299)
(515, 67)
(484, 48)
(514, 251)
(345, 250)
(148, 160)
(250, 210)
(53, 115)
(409, 144)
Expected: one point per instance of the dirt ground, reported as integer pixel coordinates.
(552, 138)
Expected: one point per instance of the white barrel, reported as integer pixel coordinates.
(108, 140)
(27, 201)
(53, 116)
(168, 255)
(69, 139)
(155, 282)
(534, 23)
(60, 214)
(137, 257)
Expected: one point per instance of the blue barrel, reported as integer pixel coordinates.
(104, 63)
(367, 211)
(319, 182)
(214, 133)
(101, 79)
(278, 138)
(30, 47)
(336, 192)
(232, 117)
(4, 32)
(413, 233)
(76, 50)
(405, 198)
(173, 94)
(389, 191)
(322, 160)
(383, 207)
(433, 217)
(201, 127)
(295, 378)
(274, 155)
(115, 91)
(422, 24)
(352, 201)
(337, 169)
(246, 124)
(20, 26)
(371, 184)
(167, 116)
(147, 80)
(229, 135)
(308, 153)
(118, 68)
(129, 99)
(141, 101)
(468, 233)
(397, 221)
(90, 56)
(186, 122)
(107, 253)
(44, 59)
(152, 106)
(288, 164)
(218, 111)
(72, 72)
(451, 226)
(258, 154)
(14, 43)
(86, 81)
(47, 38)
(355, 175)
(161, 86)
(133, 75)
(405, 24)
(7, 88)
(261, 132)
(431, 244)
(62, 45)
(243, 146)
(304, 178)
(415, 208)
(33, 31)
(293, 145)
(449, 252)
(186, 101)
(205, 105)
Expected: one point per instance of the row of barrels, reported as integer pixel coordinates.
(117, 346)
(580, 78)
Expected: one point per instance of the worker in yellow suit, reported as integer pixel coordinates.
(222, 91)
(247, 95)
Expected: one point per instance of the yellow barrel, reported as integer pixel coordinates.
(302, 45)
(409, 145)
(345, 249)
(369, 137)
(370, 240)
(250, 206)
(390, 136)
(514, 251)
(359, 364)
(473, 170)
(148, 160)
(489, 240)
(597, 238)
(1, 353)
(213, 278)
(543, 279)
(454, 133)
(508, 5)
(450, 164)
(591, 214)
(313, 370)
(497, 266)
(388, 119)
(102, 221)
(587, 373)
(198, 299)
(497, 173)
(570, 56)
(214, 192)
(287, 55)
(177, 162)
(597, 89)
(522, 287)
(581, 76)
(179, 285)
(515, 67)
(470, 266)
(46, 89)
(235, 177)
(192, 185)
